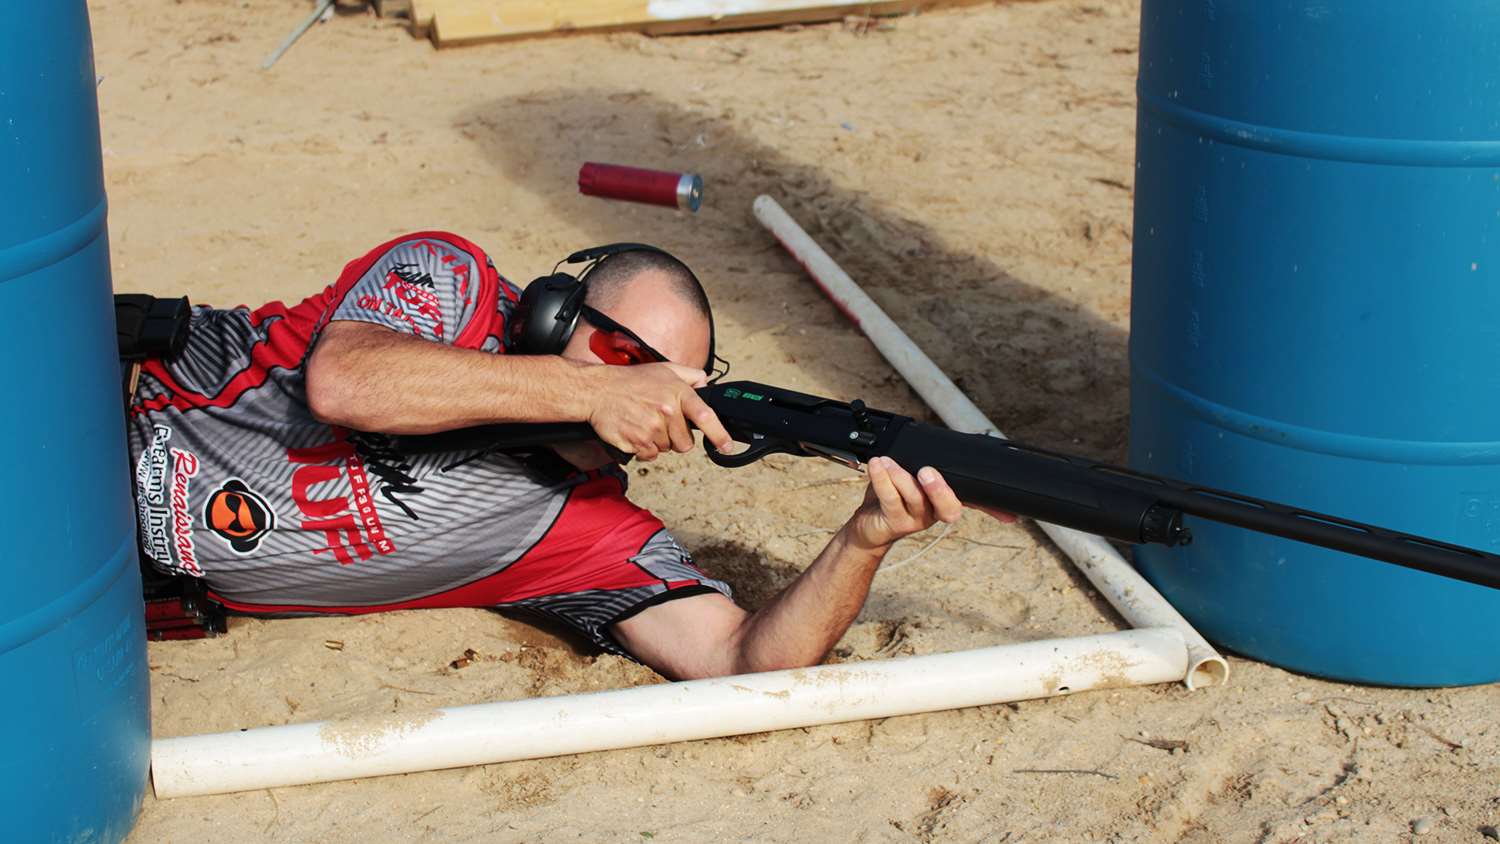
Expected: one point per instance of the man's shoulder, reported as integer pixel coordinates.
(436, 239)
(448, 249)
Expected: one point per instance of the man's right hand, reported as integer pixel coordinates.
(647, 409)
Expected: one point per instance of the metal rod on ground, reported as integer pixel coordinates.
(1118, 581)
(487, 733)
(303, 27)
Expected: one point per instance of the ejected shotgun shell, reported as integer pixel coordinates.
(634, 184)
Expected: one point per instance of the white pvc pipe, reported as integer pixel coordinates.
(486, 733)
(1118, 581)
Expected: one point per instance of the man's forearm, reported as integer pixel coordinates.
(372, 379)
(805, 621)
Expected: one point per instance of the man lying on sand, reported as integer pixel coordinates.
(253, 471)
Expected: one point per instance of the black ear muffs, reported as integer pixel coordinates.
(546, 316)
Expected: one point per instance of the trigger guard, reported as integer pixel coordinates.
(756, 451)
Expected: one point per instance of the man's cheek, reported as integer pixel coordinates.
(577, 348)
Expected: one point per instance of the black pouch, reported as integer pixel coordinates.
(148, 327)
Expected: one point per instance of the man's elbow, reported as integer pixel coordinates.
(328, 407)
(747, 656)
(750, 665)
(330, 398)
(732, 661)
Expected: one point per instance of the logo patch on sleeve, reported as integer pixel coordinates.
(239, 516)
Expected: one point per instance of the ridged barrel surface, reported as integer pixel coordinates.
(1316, 317)
(75, 702)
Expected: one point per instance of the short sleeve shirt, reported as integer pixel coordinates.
(237, 483)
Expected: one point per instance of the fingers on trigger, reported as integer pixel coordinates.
(705, 420)
(678, 432)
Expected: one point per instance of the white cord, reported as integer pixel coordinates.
(947, 526)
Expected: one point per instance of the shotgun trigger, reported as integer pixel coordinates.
(760, 446)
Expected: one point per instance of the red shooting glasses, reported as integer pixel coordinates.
(626, 348)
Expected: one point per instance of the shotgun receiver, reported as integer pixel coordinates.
(1037, 483)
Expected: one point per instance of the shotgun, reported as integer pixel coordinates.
(1037, 483)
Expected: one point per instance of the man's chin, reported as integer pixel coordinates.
(585, 456)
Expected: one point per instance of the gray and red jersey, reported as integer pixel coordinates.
(238, 484)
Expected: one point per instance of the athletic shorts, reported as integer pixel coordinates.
(601, 561)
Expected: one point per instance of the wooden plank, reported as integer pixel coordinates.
(458, 22)
(494, 20)
(796, 12)
(421, 13)
(421, 18)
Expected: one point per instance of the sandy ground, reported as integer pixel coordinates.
(974, 169)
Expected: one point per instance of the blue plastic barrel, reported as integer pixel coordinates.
(1316, 317)
(73, 684)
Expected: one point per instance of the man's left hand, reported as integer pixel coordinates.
(897, 505)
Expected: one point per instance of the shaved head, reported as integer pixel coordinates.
(609, 278)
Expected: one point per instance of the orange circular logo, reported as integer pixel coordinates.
(239, 516)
